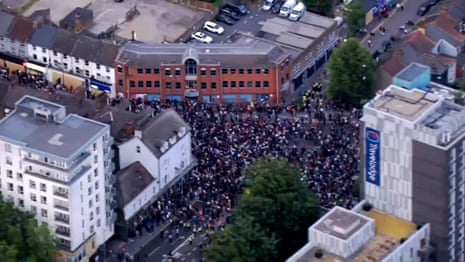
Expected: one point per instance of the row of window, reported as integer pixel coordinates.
(203, 85)
(203, 71)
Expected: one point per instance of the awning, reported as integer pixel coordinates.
(31, 66)
(11, 58)
(100, 86)
(191, 93)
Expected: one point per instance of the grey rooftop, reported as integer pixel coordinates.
(341, 223)
(44, 127)
(412, 71)
(131, 181)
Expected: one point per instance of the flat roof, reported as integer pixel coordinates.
(406, 104)
(61, 139)
(412, 71)
(341, 223)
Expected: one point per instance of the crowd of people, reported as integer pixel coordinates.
(321, 138)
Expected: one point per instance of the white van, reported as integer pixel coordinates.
(297, 12)
(287, 7)
(267, 5)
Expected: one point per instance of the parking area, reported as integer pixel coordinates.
(58, 8)
(250, 23)
(157, 21)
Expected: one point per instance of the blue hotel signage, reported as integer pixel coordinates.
(372, 151)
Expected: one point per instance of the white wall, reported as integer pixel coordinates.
(143, 198)
(173, 159)
(407, 251)
(451, 73)
(42, 55)
(128, 154)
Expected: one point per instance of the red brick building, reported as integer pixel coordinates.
(212, 73)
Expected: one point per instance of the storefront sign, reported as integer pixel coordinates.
(100, 86)
(372, 152)
(34, 67)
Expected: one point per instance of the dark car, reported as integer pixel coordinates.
(276, 7)
(224, 19)
(230, 13)
(240, 9)
(423, 9)
(385, 46)
(433, 2)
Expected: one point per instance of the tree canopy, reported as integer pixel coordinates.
(320, 6)
(275, 211)
(352, 72)
(355, 17)
(21, 239)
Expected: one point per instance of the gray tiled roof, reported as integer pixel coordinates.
(107, 54)
(70, 19)
(85, 48)
(165, 125)
(256, 53)
(457, 9)
(435, 33)
(130, 182)
(64, 42)
(44, 36)
(5, 22)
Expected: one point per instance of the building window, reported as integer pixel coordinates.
(138, 149)
(250, 71)
(266, 84)
(232, 71)
(65, 66)
(140, 71)
(233, 84)
(167, 72)
(148, 71)
(241, 84)
(9, 173)
(140, 83)
(86, 62)
(203, 72)
(34, 56)
(8, 148)
(190, 67)
(120, 82)
(241, 71)
(258, 84)
(87, 73)
(65, 56)
(168, 85)
(224, 71)
(156, 71)
(44, 59)
(203, 85)
(77, 70)
(177, 72)
(33, 197)
(43, 187)
(43, 200)
(213, 71)
(213, 85)
(156, 84)
(225, 84)
(120, 69)
(10, 187)
(257, 71)
(43, 212)
(148, 84)
(178, 85)
(76, 60)
(32, 184)
(249, 84)
(266, 71)
(20, 190)
(97, 66)
(132, 83)
(34, 48)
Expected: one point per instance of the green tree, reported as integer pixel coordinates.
(21, 239)
(320, 6)
(352, 72)
(279, 203)
(355, 17)
(243, 241)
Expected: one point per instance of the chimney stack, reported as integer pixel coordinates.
(133, 35)
(78, 25)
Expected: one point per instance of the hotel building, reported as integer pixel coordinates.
(59, 167)
(412, 140)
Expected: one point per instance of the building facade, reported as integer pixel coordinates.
(60, 169)
(414, 165)
(211, 73)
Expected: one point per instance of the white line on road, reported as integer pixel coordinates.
(182, 244)
(189, 254)
(153, 252)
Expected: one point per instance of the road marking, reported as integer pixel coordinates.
(182, 244)
(194, 249)
(153, 252)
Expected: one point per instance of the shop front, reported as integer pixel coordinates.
(98, 87)
(65, 79)
(229, 99)
(11, 62)
(191, 94)
(174, 98)
(210, 99)
(153, 97)
(35, 68)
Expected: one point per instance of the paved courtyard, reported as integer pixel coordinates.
(58, 8)
(158, 20)
(13, 4)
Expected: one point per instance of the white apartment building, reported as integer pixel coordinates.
(59, 167)
(163, 146)
(413, 143)
(364, 235)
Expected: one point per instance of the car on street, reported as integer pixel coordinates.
(239, 8)
(213, 27)
(424, 9)
(231, 14)
(385, 46)
(202, 37)
(224, 19)
(268, 4)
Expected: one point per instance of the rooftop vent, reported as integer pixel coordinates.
(24, 114)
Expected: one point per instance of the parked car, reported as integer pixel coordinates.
(202, 37)
(276, 7)
(385, 46)
(224, 19)
(268, 4)
(240, 9)
(424, 9)
(213, 27)
(230, 13)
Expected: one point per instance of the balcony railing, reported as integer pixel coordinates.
(62, 232)
(61, 207)
(62, 219)
(61, 194)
